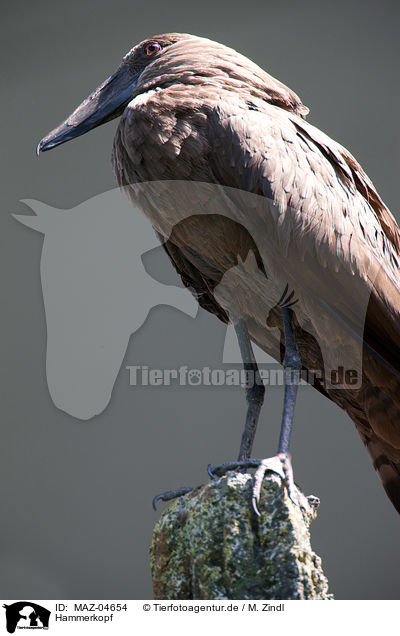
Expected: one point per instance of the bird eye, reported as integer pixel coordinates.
(152, 48)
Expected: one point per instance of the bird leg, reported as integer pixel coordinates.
(292, 366)
(254, 392)
(280, 463)
(255, 398)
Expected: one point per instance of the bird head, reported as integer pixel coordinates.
(161, 62)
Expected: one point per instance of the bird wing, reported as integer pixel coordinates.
(325, 205)
(323, 195)
(328, 211)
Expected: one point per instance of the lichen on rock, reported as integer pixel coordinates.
(210, 544)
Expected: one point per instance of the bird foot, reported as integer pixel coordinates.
(279, 464)
(282, 466)
(170, 494)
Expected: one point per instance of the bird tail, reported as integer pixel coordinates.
(388, 470)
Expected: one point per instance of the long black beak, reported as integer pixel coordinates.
(107, 102)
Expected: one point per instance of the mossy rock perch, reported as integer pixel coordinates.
(210, 544)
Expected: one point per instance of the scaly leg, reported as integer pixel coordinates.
(281, 463)
(254, 393)
(292, 366)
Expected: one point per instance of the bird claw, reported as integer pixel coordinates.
(170, 494)
(282, 466)
(279, 464)
(217, 471)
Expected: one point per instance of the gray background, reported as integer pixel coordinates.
(75, 496)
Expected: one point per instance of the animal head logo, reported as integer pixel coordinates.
(26, 614)
(96, 293)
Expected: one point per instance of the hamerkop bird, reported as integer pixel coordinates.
(270, 224)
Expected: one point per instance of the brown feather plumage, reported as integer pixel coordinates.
(269, 202)
(217, 118)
